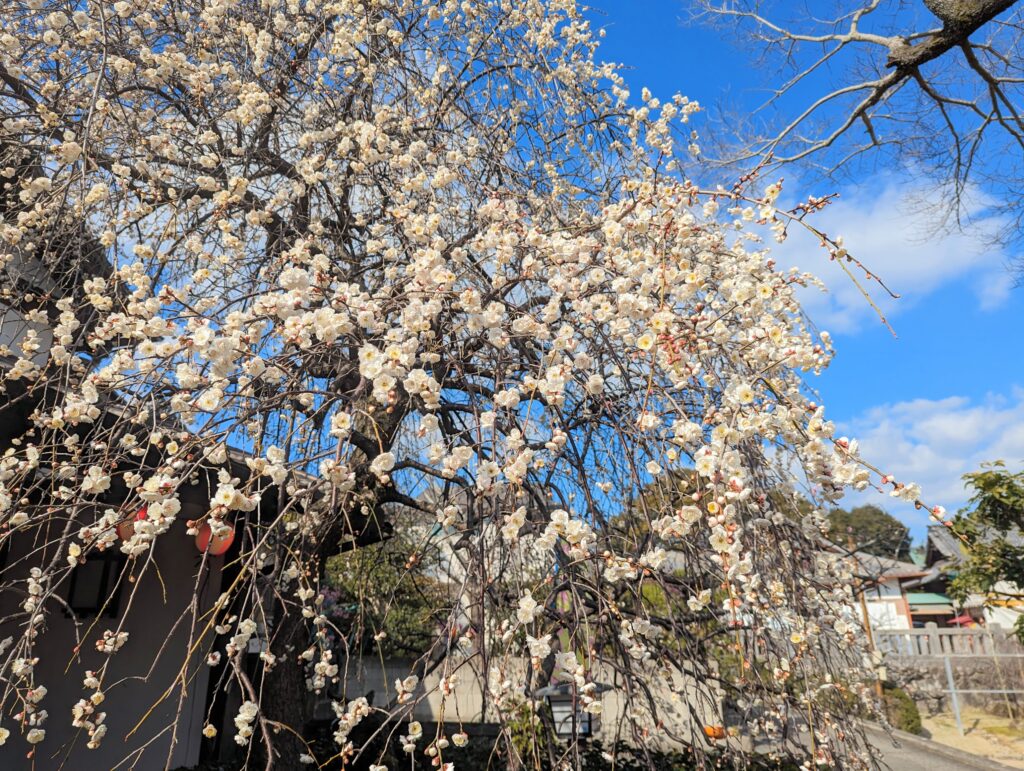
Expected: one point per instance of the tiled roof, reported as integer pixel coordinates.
(944, 542)
(873, 567)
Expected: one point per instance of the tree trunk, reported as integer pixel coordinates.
(285, 699)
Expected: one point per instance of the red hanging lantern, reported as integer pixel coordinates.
(215, 544)
(126, 527)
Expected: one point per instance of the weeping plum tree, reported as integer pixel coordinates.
(358, 265)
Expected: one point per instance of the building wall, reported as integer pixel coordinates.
(685, 714)
(1005, 613)
(14, 330)
(1006, 617)
(885, 614)
(159, 627)
(888, 614)
(13, 325)
(887, 607)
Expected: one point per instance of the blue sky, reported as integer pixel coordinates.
(948, 392)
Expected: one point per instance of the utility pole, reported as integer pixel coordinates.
(859, 589)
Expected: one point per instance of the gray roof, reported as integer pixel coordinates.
(884, 568)
(875, 568)
(949, 548)
(944, 542)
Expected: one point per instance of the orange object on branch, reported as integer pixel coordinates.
(215, 544)
(714, 731)
(126, 527)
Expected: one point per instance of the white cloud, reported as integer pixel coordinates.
(934, 442)
(994, 289)
(891, 228)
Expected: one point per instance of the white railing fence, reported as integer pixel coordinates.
(936, 641)
(934, 644)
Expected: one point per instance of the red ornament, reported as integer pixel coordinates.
(126, 527)
(216, 545)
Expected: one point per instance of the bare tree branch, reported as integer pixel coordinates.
(925, 97)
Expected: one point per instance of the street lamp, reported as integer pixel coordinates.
(569, 718)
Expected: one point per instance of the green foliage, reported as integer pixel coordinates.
(529, 735)
(873, 529)
(993, 526)
(901, 711)
(390, 588)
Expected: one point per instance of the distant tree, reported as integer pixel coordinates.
(993, 524)
(874, 531)
(791, 504)
(389, 597)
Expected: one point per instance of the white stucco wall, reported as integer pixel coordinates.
(684, 704)
(885, 614)
(1005, 617)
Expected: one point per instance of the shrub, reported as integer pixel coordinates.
(901, 710)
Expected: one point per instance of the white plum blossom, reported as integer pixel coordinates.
(529, 609)
(382, 464)
(96, 481)
(244, 720)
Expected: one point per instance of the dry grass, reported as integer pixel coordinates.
(987, 735)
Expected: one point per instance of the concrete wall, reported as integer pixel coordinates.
(141, 672)
(684, 706)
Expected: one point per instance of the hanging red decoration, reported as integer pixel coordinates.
(126, 527)
(215, 544)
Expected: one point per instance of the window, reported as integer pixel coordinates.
(95, 588)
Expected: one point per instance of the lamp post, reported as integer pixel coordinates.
(563, 701)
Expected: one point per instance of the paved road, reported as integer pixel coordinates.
(910, 757)
(915, 753)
